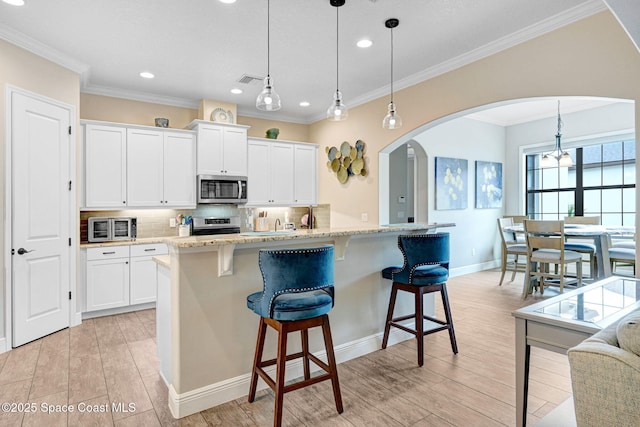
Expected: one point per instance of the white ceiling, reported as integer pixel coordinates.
(200, 48)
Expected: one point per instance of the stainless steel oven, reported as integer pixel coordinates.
(215, 225)
(222, 189)
(112, 229)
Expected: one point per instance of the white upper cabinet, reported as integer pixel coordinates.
(281, 173)
(221, 148)
(305, 174)
(138, 166)
(105, 166)
(145, 170)
(179, 169)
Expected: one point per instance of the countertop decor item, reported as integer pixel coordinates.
(161, 122)
(347, 160)
(272, 133)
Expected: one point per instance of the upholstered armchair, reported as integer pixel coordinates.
(605, 374)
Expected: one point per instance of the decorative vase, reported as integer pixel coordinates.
(272, 133)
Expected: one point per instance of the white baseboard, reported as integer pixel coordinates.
(191, 402)
(119, 310)
(76, 319)
(473, 268)
(3, 345)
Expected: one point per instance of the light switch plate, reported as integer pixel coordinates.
(172, 222)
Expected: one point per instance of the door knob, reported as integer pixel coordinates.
(23, 251)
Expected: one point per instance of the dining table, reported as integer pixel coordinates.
(601, 236)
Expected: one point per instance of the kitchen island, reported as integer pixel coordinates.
(206, 334)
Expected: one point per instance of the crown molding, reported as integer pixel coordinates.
(543, 27)
(38, 48)
(141, 96)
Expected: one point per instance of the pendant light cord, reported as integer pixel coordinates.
(268, 38)
(337, 50)
(391, 64)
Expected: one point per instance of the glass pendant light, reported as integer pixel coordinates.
(268, 100)
(558, 156)
(392, 120)
(337, 110)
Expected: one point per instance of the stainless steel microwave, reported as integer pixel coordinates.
(222, 189)
(112, 229)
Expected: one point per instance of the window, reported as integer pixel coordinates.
(601, 182)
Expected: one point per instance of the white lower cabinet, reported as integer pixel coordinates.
(107, 277)
(143, 273)
(120, 276)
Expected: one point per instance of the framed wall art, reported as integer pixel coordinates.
(488, 185)
(451, 183)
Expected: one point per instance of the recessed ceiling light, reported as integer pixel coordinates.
(146, 75)
(304, 104)
(227, 1)
(364, 43)
(236, 90)
(14, 2)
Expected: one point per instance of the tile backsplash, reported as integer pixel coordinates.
(155, 222)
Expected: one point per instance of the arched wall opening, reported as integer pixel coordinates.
(461, 135)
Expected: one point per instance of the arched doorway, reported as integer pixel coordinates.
(391, 210)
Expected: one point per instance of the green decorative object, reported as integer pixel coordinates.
(272, 133)
(347, 160)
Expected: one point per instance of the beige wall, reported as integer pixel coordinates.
(288, 131)
(590, 57)
(108, 109)
(21, 69)
(119, 110)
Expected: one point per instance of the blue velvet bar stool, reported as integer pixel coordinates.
(425, 270)
(297, 295)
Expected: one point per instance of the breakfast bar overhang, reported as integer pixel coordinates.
(206, 334)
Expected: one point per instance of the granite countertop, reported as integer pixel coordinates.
(258, 237)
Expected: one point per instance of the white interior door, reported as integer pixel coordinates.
(40, 217)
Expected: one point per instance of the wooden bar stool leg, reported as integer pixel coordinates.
(333, 368)
(392, 304)
(447, 314)
(305, 353)
(280, 366)
(419, 325)
(262, 332)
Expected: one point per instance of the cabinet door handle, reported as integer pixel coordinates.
(149, 250)
(124, 202)
(108, 253)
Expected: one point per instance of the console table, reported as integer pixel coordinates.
(564, 321)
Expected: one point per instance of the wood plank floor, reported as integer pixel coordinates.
(113, 359)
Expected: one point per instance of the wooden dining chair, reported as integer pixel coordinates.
(518, 219)
(583, 247)
(511, 247)
(545, 246)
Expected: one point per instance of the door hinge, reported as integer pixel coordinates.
(69, 185)
(69, 241)
(69, 294)
(69, 130)
(13, 251)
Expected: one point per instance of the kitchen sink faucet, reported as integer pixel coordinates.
(276, 223)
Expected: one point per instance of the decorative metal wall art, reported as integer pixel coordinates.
(347, 160)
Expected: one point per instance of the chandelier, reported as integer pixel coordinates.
(558, 157)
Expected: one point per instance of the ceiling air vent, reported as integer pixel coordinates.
(247, 79)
